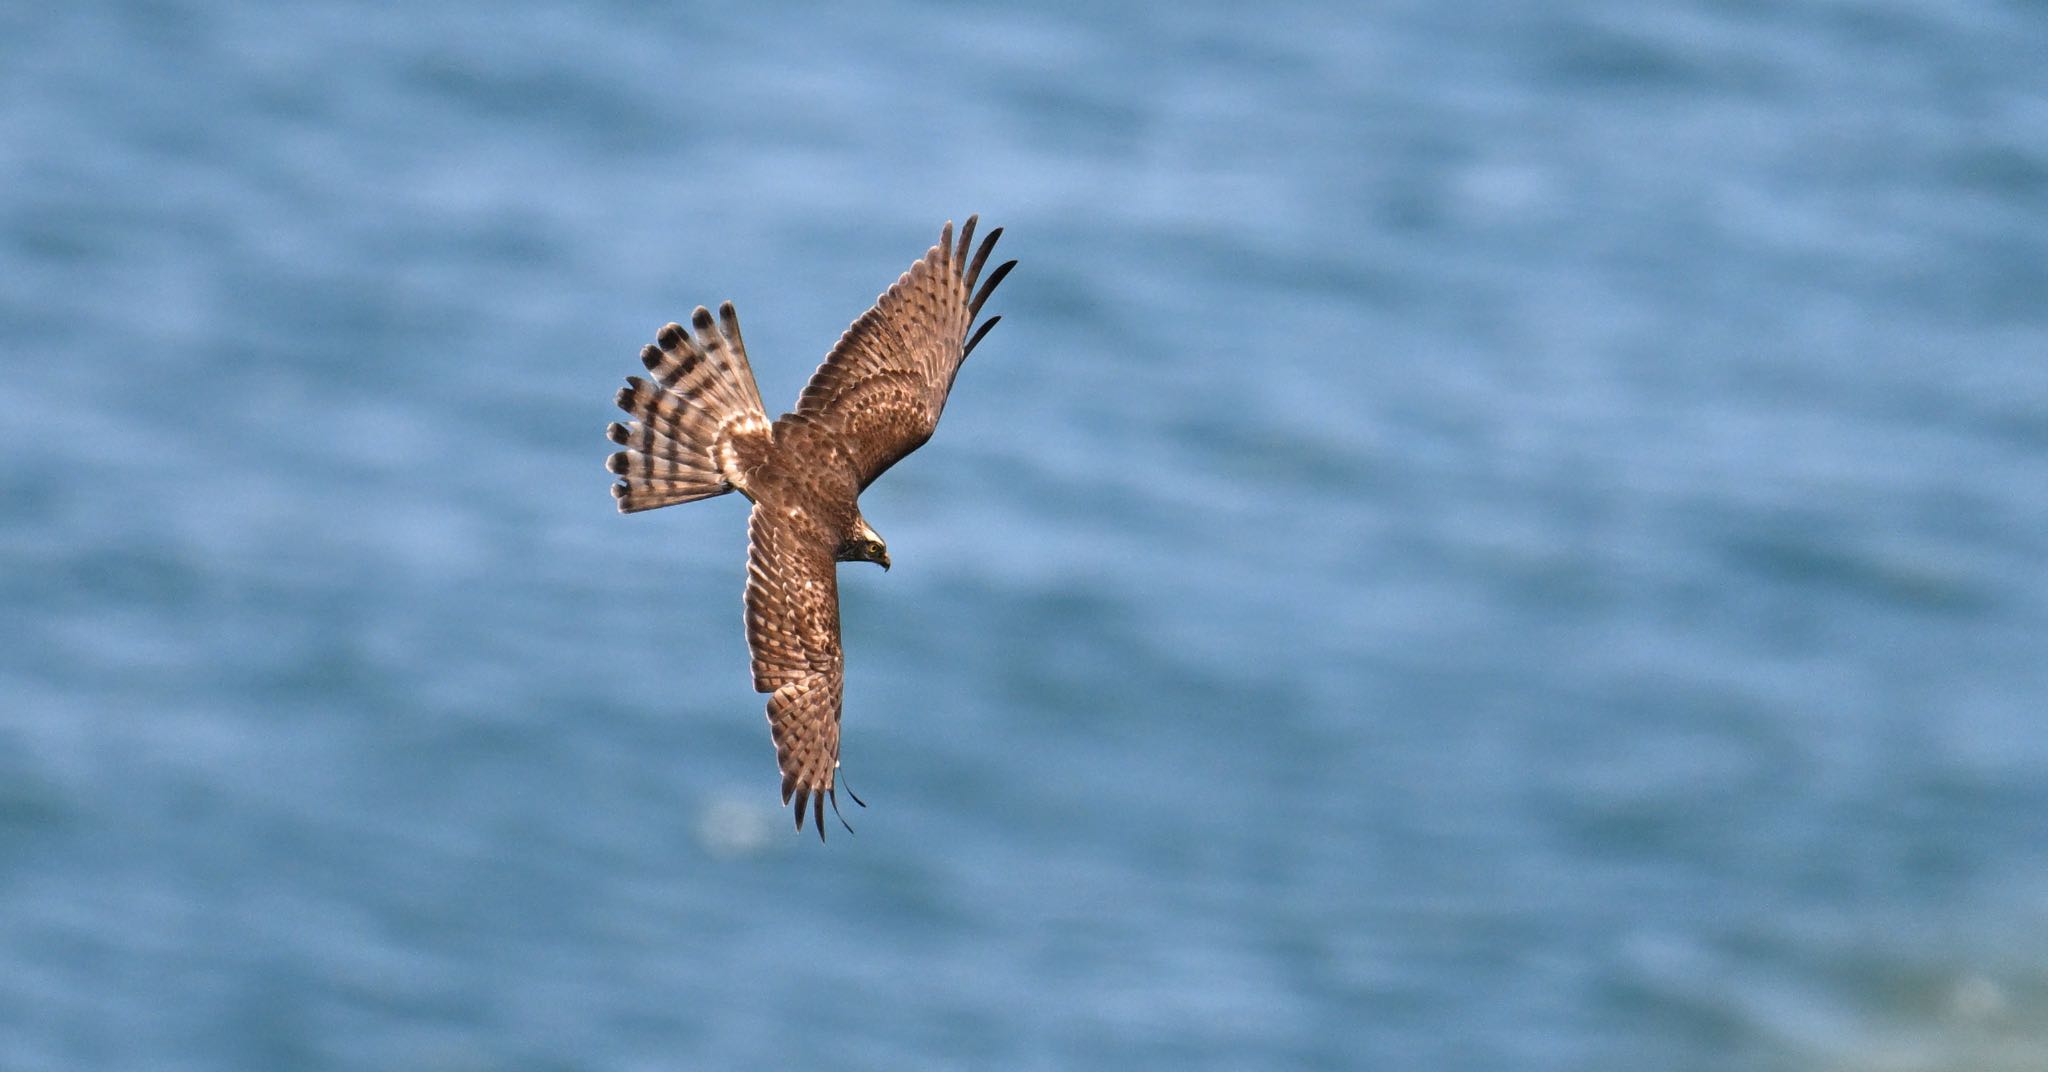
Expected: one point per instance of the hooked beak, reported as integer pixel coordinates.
(884, 560)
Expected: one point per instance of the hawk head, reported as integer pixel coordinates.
(863, 544)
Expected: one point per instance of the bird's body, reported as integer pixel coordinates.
(700, 431)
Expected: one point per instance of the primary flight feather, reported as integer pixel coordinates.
(699, 430)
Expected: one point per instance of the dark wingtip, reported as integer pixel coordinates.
(818, 816)
(988, 245)
(971, 343)
(617, 433)
(701, 320)
(616, 463)
(989, 287)
(803, 797)
(670, 337)
(958, 254)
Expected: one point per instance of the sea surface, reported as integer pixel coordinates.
(1490, 536)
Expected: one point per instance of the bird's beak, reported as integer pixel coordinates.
(884, 560)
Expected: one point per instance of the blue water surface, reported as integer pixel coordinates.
(1491, 536)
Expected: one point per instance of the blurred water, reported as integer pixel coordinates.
(1489, 536)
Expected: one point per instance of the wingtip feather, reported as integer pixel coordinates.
(959, 253)
(989, 287)
(988, 246)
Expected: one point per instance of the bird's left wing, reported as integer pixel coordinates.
(884, 384)
(793, 631)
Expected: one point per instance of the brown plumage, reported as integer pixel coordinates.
(700, 431)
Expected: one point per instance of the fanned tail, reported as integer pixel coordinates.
(699, 427)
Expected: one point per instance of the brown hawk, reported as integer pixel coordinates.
(699, 430)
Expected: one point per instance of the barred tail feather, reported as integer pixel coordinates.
(699, 424)
(637, 493)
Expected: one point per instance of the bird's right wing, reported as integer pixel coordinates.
(793, 631)
(884, 384)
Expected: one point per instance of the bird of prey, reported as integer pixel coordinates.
(699, 430)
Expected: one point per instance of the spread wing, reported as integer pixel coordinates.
(883, 386)
(793, 629)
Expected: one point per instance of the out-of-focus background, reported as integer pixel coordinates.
(1490, 536)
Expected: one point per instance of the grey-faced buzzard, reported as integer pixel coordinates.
(699, 430)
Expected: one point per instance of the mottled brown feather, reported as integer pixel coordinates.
(885, 383)
(793, 632)
(699, 431)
